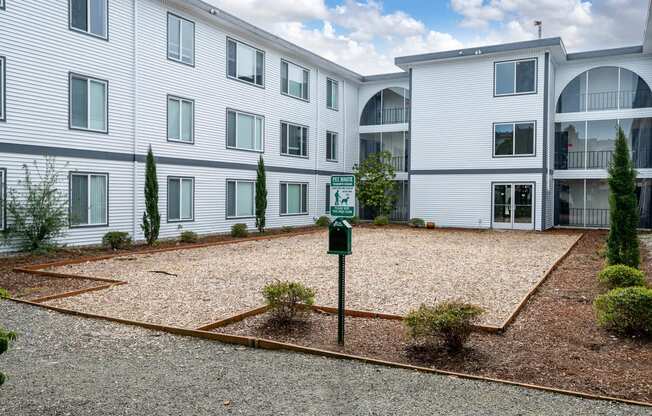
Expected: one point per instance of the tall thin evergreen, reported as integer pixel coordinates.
(151, 217)
(622, 244)
(261, 195)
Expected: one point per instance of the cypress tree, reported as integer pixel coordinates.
(261, 195)
(622, 243)
(151, 217)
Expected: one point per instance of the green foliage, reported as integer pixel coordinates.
(5, 336)
(622, 243)
(151, 217)
(38, 210)
(417, 223)
(116, 240)
(4, 293)
(261, 195)
(626, 310)
(323, 221)
(449, 322)
(287, 229)
(188, 237)
(239, 230)
(381, 220)
(374, 182)
(355, 220)
(619, 275)
(285, 298)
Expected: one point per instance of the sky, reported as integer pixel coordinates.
(366, 35)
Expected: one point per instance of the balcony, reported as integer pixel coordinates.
(584, 217)
(399, 163)
(600, 159)
(396, 115)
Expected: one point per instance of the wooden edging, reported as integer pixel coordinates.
(276, 345)
(235, 318)
(75, 292)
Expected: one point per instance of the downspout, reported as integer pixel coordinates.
(135, 120)
(317, 136)
(544, 156)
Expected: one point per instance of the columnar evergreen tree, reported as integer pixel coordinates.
(151, 217)
(622, 244)
(261, 195)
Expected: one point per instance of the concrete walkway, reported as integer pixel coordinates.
(65, 365)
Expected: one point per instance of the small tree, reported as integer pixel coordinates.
(261, 195)
(38, 211)
(374, 182)
(622, 243)
(5, 336)
(151, 217)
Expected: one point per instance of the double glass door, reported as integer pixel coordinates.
(513, 206)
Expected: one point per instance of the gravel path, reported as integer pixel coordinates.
(66, 365)
(391, 271)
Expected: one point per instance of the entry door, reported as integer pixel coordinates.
(513, 206)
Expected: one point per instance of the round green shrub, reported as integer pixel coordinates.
(323, 221)
(417, 223)
(239, 230)
(188, 237)
(620, 275)
(285, 299)
(381, 220)
(625, 310)
(116, 240)
(287, 229)
(450, 322)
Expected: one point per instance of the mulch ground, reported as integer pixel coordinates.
(553, 342)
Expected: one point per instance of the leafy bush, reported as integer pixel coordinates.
(620, 275)
(239, 230)
(323, 221)
(287, 229)
(626, 310)
(417, 223)
(450, 322)
(4, 294)
(5, 336)
(116, 240)
(381, 220)
(430, 225)
(285, 298)
(188, 237)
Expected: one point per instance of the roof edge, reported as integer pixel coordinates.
(647, 34)
(386, 77)
(601, 53)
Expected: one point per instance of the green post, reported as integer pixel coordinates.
(340, 300)
(339, 242)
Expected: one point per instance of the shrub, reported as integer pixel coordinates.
(151, 217)
(620, 275)
(188, 237)
(323, 221)
(355, 220)
(430, 225)
(381, 220)
(417, 223)
(287, 229)
(450, 322)
(626, 310)
(239, 230)
(116, 240)
(285, 298)
(5, 336)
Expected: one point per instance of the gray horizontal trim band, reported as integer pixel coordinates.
(129, 157)
(386, 77)
(601, 53)
(498, 171)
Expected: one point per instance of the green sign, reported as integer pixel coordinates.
(342, 197)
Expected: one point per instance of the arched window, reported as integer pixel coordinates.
(389, 106)
(605, 88)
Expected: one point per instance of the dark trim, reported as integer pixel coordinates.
(72, 75)
(546, 104)
(536, 77)
(230, 38)
(338, 94)
(602, 53)
(87, 174)
(385, 77)
(337, 139)
(289, 123)
(280, 195)
(167, 199)
(287, 94)
(226, 199)
(167, 119)
(3, 198)
(167, 38)
(513, 123)
(408, 150)
(87, 32)
(490, 171)
(534, 204)
(3, 88)
(226, 138)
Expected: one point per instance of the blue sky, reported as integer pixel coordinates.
(366, 35)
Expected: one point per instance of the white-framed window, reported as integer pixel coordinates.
(295, 80)
(2, 4)
(3, 97)
(88, 103)
(181, 39)
(245, 63)
(244, 131)
(89, 16)
(515, 77)
(180, 119)
(514, 139)
(3, 197)
(294, 198)
(294, 140)
(331, 146)
(332, 94)
(181, 198)
(240, 198)
(89, 199)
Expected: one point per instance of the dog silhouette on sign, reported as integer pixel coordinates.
(344, 201)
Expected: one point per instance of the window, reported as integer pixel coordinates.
(514, 139)
(327, 208)
(331, 146)
(515, 77)
(180, 119)
(245, 63)
(88, 199)
(244, 131)
(3, 116)
(3, 196)
(181, 40)
(2, 4)
(294, 198)
(88, 103)
(240, 197)
(294, 140)
(332, 94)
(181, 199)
(294, 80)
(89, 16)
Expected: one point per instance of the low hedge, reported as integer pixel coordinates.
(116, 240)
(239, 230)
(381, 220)
(626, 310)
(323, 221)
(619, 275)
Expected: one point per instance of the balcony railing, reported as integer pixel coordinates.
(390, 115)
(600, 159)
(401, 212)
(607, 100)
(585, 217)
(399, 163)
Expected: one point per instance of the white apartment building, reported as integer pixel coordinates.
(508, 136)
